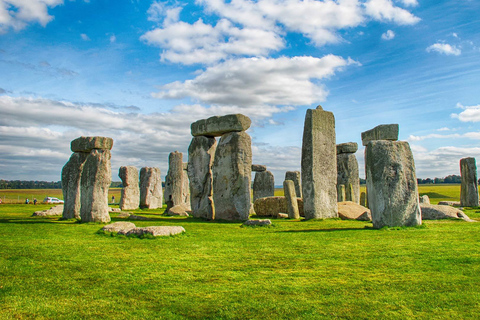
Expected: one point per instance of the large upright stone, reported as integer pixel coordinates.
(71, 177)
(232, 169)
(319, 165)
(348, 173)
(176, 188)
(130, 196)
(263, 185)
(381, 132)
(296, 177)
(340, 193)
(151, 195)
(292, 203)
(219, 125)
(95, 182)
(87, 144)
(201, 153)
(392, 184)
(469, 186)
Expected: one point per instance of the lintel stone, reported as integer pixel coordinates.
(218, 125)
(87, 144)
(381, 132)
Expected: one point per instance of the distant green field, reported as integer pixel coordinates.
(19, 195)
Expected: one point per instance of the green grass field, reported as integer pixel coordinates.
(53, 269)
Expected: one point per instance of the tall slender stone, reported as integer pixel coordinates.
(263, 185)
(296, 177)
(341, 193)
(71, 177)
(130, 196)
(347, 170)
(176, 192)
(151, 194)
(186, 186)
(95, 182)
(232, 169)
(392, 184)
(201, 153)
(469, 186)
(319, 165)
(363, 199)
(290, 195)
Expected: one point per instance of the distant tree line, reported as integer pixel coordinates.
(20, 184)
(448, 179)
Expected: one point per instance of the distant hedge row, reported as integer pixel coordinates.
(21, 184)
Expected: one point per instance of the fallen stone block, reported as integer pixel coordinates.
(348, 210)
(435, 212)
(119, 227)
(264, 222)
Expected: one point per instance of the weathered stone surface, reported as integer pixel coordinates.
(119, 226)
(186, 189)
(319, 164)
(124, 215)
(232, 170)
(219, 125)
(179, 210)
(110, 209)
(185, 166)
(347, 147)
(392, 184)
(130, 196)
(87, 144)
(349, 210)
(469, 186)
(348, 174)
(140, 218)
(424, 199)
(258, 168)
(53, 211)
(263, 185)
(291, 197)
(296, 177)
(71, 177)
(264, 222)
(340, 192)
(157, 231)
(95, 182)
(151, 194)
(363, 200)
(435, 212)
(449, 203)
(201, 153)
(272, 206)
(175, 187)
(381, 132)
(281, 215)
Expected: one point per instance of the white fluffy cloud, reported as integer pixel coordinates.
(444, 48)
(389, 35)
(17, 14)
(469, 113)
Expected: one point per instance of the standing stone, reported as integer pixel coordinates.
(71, 176)
(319, 165)
(151, 195)
(341, 193)
(232, 170)
(175, 186)
(290, 195)
(349, 195)
(296, 177)
(201, 153)
(130, 197)
(424, 200)
(469, 186)
(263, 185)
(95, 181)
(363, 199)
(186, 186)
(392, 184)
(347, 170)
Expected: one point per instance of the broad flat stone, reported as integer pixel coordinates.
(157, 231)
(319, 165)
(349, 210)
(348, 174)
(219, 125)
(53, 211)
(263, 185)
(151, 194)
(469, 183)
(258, 168)
(179, 210)
(392, 184)
(71, 178)
(348, 147)
(264, 222)
(436, 212)
(130, 196)
(381, 132)
(119, 226)
(291, 197)
(296, 177)
(449, 203)
(87, 144)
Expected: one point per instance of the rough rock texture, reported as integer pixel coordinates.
(110, 209)
(130, 197)
(87, 144)
(258, 168)
(424, 199)
(392, 184)
(348, 210)
(319, 164)
(363, 200)
(469, 186)
(71, 177)
(135, 217)
(151, 194)
(175, 187)
(53, 211)
(435, 212)
(232, 171)
(340, 192)
(201, 153)
(449, 203)
(95, 182)
(296, 177)
(156, 231)
(124, 215)
(179, 210)
(381, 132)
(265, 222)
(220, 125)
(347, 147)
(272, 206)
(291, 197)
(122, 226)
(186, 188)
(348, 173)
(263, 185)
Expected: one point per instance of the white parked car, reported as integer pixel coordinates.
(52, 200)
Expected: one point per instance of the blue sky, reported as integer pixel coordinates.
(142, 71)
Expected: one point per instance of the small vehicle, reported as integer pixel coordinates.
(52, 200)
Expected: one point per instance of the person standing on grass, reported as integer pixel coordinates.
(34, 201)
(27, 201)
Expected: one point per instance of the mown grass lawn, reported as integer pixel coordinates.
(53, 269)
